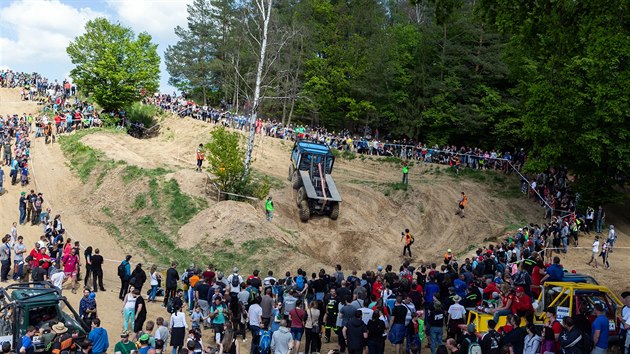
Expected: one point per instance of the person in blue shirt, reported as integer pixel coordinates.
(600, 330)
(555, 272)
(98, 337)
(27, 346)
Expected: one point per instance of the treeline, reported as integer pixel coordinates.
(550, 76)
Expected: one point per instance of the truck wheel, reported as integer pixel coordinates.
(334, 211)
(290, 172)
(301, 195)
(296, 180)
(305, 211)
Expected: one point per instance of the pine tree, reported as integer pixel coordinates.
(189, 61)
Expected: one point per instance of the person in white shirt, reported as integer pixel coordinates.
(595, 250)
(612, 237)
(456, 314)
(58, 278)
(178, 327)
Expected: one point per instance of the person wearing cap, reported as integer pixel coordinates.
(145, 346)
(456, 313)
(235, 281)
(448, 256)
(124, 346)
(63, 340)
(522, 303)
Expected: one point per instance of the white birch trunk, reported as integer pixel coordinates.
(264, 6)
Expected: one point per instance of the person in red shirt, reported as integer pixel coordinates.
(209, 274)
(556, 326)
(491, 287)
(507, 297)
(521, 303)
(377, 287)
(538, 272)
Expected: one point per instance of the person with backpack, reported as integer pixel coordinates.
(300, 283)
(491, 339)
(409, 240)
(124, 273)
(235, 281)
(470, 343)
(264, 340)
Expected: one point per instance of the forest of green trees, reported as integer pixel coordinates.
(550, 76)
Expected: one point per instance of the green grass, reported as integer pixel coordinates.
(181, 206)
(154, 193)
(273, 181)
(113, 230)
(131, 173)
(83, 159)
(250, 247)
(107, 211)
(140, 202)
(469, 173)
(160, 245)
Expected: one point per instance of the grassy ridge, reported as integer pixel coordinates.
(150, 219)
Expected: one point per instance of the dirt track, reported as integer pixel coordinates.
(366, 234)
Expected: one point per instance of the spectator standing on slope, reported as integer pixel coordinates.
(461, 205)
(200, 157)
(405, 173)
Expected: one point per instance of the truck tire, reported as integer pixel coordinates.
(296, 180)
(290, 172)
(301, 195)
(305, 211)
(334, 211)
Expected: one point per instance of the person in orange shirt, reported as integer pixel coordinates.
(409, 240)
(461, 204)
(200, 157)
(193, 279)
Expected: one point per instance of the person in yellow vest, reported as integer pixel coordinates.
(405, 172)
(269, 208)
(200, 157)
(461, 205)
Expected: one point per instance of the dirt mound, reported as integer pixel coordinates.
(11, 103)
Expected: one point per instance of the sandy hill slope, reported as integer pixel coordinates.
(366, 234)
(372, 213)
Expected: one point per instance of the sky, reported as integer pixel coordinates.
(34, 34)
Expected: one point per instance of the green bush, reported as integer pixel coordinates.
(141, 113)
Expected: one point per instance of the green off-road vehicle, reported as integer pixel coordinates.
(38, 304)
